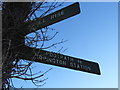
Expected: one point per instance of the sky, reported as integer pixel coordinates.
(92, 35)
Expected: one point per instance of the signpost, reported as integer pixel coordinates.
(52, 58)
(57, 59)
(52, 18)
(42, 56)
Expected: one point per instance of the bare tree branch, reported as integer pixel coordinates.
(18, 18)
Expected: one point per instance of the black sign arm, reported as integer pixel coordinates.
(57, 59)
(52, 18)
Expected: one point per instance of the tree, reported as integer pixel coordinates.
(17, 17)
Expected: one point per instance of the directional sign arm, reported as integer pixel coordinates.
(57, 59)
(52, 18)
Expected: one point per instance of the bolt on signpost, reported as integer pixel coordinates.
(56, 58)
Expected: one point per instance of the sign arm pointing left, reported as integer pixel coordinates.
(57, 59)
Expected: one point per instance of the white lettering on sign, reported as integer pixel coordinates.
(62, 61)
(53, 16)
(41, 21)
(50, 60)
(52, 55)
(58, 56)
(79, 61)
(79, 66)
(56, 15)
(71, 60)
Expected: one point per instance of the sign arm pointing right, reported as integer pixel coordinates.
(52, 18)
(42, 56)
